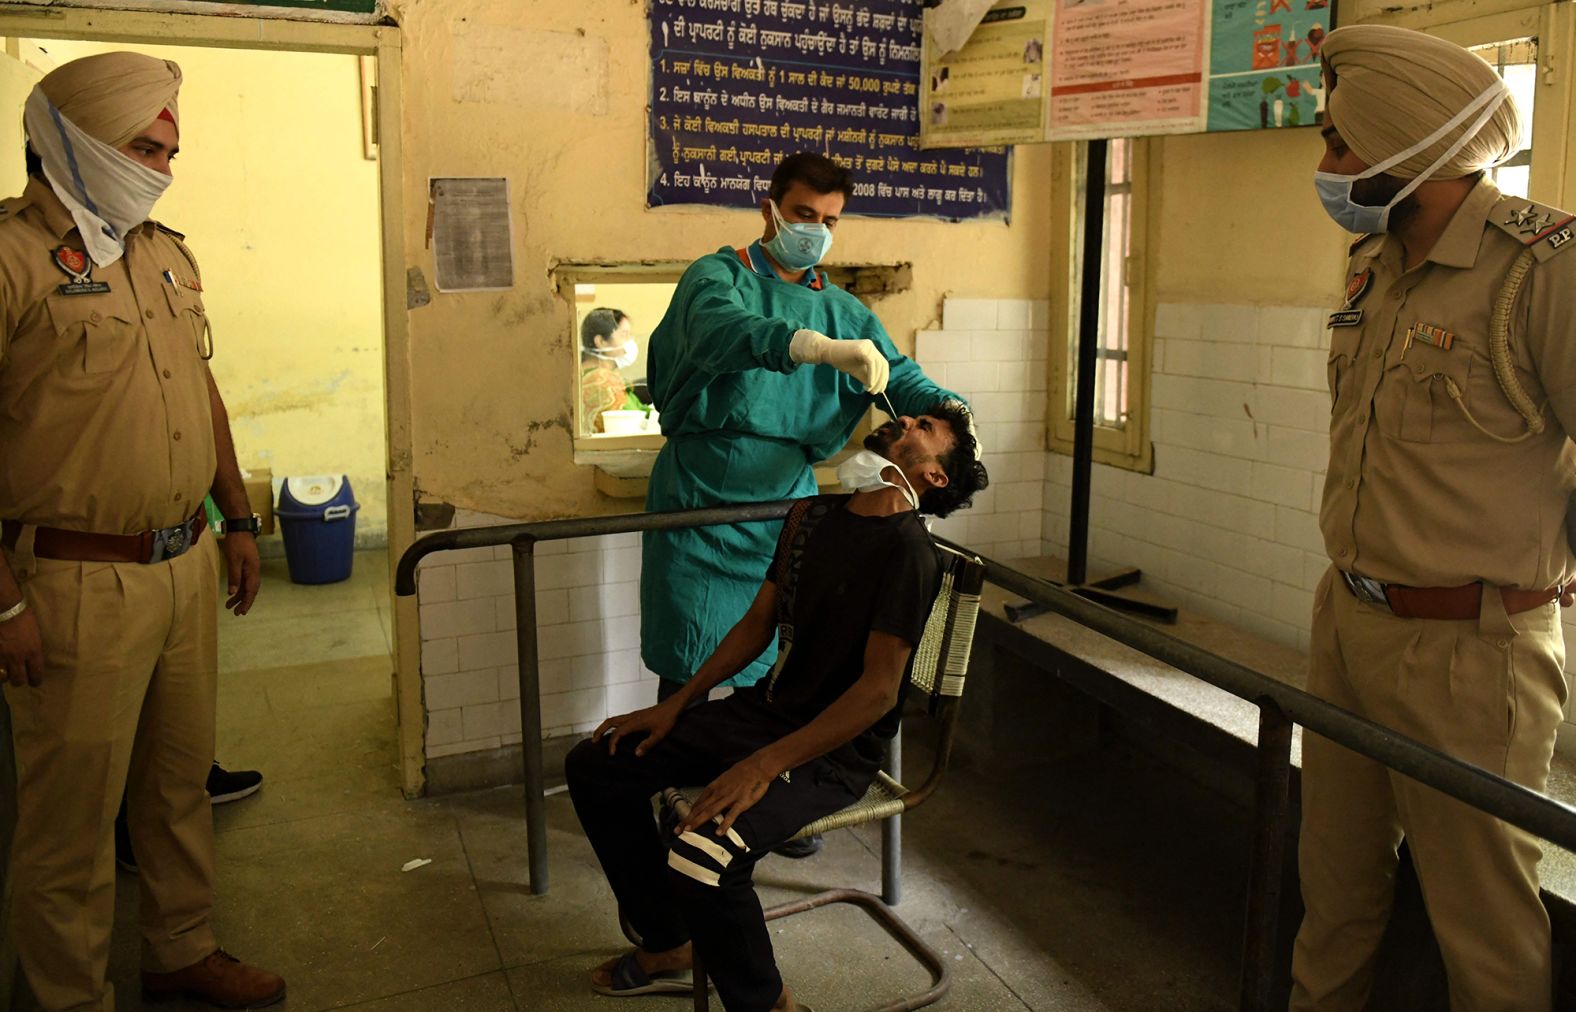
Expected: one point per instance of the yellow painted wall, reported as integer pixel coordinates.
(15, 82)
(554, 97)
(1240, 223)
(281, 208)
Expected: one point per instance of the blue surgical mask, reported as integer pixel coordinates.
(1335, 189)
(798, 245)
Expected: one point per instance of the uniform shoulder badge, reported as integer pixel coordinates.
(79, 268)
(1544, 230)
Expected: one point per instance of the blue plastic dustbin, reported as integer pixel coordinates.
(317, 516)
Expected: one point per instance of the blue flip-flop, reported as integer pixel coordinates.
(630, 980)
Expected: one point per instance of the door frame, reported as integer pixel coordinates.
(383, 43)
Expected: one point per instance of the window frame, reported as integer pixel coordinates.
(565, 277)
(1128, 447)
(1553, 25)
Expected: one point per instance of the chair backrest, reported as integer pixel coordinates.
(941, 661)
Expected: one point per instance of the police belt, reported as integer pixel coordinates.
(1458, 603)
(82, 546)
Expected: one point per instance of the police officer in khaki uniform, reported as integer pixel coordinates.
(1453, 383)
(111, 434)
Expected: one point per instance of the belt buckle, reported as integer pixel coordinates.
(1366, 590)
(170, 543)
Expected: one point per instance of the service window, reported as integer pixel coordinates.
(609, 313)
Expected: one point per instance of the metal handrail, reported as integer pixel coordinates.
(1515, 804)
(522, 539)
(1280, 706)
(577, 527)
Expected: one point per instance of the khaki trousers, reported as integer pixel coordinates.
(126, 700)
(1489, 691)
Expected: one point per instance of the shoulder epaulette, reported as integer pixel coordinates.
(1542, 229)
(1351, 250)
(12, 206)
(180, 243)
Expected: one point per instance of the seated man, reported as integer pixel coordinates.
(848, 591)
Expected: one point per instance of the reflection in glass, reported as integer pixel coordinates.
(606, 347)
(613, 323)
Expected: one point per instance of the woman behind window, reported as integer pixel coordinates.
(606, 346)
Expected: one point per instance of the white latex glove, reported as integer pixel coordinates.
(860, 359)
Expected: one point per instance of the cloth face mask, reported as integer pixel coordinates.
(107, 193)
(862, 473)
(798, 245)
(1335, 188)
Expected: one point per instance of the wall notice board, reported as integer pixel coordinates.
(736, 85)
(1048, 70)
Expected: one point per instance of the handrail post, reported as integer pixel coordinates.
(1266, 871)
(892, 831)
(524, 548)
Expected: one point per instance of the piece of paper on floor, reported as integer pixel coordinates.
(415, 863)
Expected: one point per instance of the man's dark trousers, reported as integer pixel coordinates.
(697, 887)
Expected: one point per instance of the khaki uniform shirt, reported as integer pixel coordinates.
(105, 419)
(1417, 494)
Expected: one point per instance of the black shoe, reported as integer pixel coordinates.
(231, 785)
(123, 853)
(805, 846)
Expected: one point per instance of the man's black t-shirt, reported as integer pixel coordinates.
(850, 576)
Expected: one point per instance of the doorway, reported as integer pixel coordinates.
(292, 206)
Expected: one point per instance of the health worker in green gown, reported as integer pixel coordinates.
(760, 368)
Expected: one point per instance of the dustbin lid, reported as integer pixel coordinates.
(314, 489)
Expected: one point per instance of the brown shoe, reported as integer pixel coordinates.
(220, 979)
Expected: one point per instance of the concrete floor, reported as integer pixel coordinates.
(1094, 881)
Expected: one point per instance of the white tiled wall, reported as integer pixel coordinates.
(992, 352)
(588, 620)
(1227, 524)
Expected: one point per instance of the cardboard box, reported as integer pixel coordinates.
(260, 493)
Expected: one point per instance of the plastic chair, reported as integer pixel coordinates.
(941, 663)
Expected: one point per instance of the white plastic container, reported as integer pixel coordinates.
(623, 423)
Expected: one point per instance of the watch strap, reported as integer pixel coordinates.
(248, 525)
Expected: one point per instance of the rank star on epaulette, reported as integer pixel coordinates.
(1522, 218)
(1528, 221)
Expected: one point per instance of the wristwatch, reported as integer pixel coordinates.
(252, 525)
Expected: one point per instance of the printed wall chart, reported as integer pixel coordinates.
(736, 85)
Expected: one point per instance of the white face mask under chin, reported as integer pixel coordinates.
(623, 356)
(1335, 188)
(863, 473)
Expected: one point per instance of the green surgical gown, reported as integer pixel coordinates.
(743, 423)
